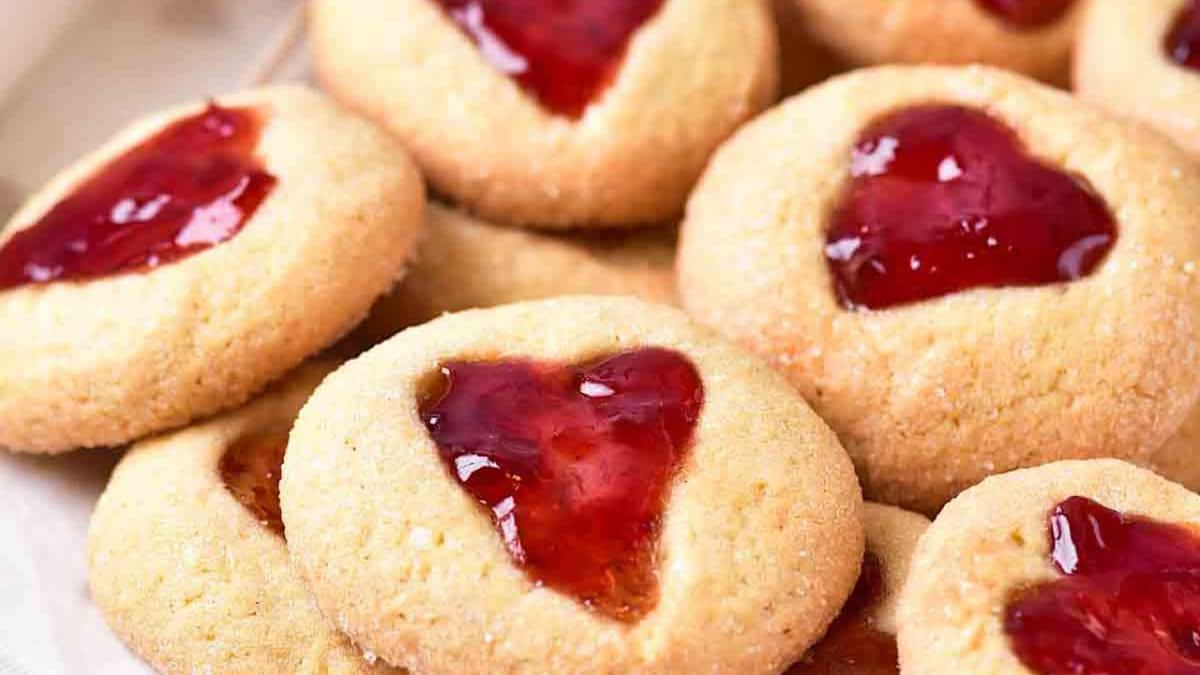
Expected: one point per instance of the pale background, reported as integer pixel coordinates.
(72, 72)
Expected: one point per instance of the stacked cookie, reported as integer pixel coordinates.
(911, 291)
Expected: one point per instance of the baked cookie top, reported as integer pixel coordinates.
(185, 558)
(974, 326)
(1033, 37)
(1142, 59)
(466, 263)
(472, 88)
(1073, 567)
(447, 496)
(222, 243)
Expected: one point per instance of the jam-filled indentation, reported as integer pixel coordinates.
(1028, 14)
(1182, 42)
(189, 187)
(251, 468)
(943, 199)
(1128, 600)
(573, 463)
(564, 52)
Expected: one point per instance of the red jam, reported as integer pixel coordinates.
(564, 52)
(573, 463)
(1129, 603)
(1183, 41)
(945, 199)
(853, 645)
(188, 188)
(1028, 13)
(251, 469)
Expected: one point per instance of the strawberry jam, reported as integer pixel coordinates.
(1128, 602)
(1028, 13)
(1183, 40)
(945, 199)
(853, 645)
(251, 469)
(572, 463)
(186, 189)
(564, 52)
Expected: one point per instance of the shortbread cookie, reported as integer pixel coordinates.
(466, 263)
(187, 557)
(1074, 568)
(1033, 37)
(958, 275)
(862, 640)
(575, 485)
(198, 256)
(1142, 59)
(552, 114)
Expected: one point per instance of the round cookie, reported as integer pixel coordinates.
(188, 575)
(983, 571)
(492, 144)
(872, 32)
(862, 640)
(466, 263)
(759, 532)
(932, 396)
(1124, 64)
(102, 361)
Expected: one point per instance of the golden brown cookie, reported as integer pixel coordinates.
(573, 485)
(187, 560)
(164, 310)
(466, 263)
(1073, 567)
(1083, 345)
(1033, 37)
(583, 117)
(1140, 59)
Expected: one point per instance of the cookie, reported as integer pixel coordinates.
(862, 640)
(187, 557)
(553, 114)
(1033, 37)
(1074, 567)
(575, 485)
(466, 263)
(198, 256)
(959, 278)
(1142, 60)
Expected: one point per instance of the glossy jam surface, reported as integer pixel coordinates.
(573, 463)
(251, 469)
(186, 189)
(1028, 13)
(853, 645)
(1128, 603)
(945, 199)
(1183, 40)
(564, 52)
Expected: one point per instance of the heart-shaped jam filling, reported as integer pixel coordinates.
(1028, 13)
(188, 188)
(1128, 603)
(573, 463)
(1183, 40)
(944, 199)
(564, 52)
(853, 645)
(251, 469)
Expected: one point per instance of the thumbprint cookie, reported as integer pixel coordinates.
(548, 113)
(1033, 37)
(1074, 568)
(201, 254)
(573, 485)
(1142, 59)
(187, 556)
(465, 263)
(958, 275)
